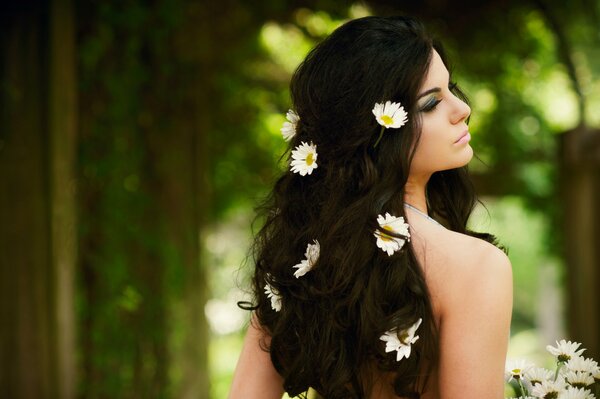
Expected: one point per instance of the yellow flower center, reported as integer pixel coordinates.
(384, 236)
(387, 119)
(404, 337)
(309, 159)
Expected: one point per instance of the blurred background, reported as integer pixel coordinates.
(137, 136)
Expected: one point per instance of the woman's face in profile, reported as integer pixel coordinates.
(444, 142)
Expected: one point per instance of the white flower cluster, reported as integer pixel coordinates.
(575, 377)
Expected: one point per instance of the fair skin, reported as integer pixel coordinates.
(470, 281)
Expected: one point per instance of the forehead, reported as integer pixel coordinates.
(437, 74)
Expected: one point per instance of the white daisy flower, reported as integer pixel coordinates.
(312, 256)
(387, 243)
(576, 393)
(548, 388)
(579, 363)
(402, 342)
(579, 379)
(390, 115)
(288, 130)
(596, 374)
(536, 375)
(274, 296)
(304, 159)
(516, 369)
(565, 350)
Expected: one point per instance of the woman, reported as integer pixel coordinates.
(349, 300)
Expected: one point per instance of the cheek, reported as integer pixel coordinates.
(428, 153)
(432, 146)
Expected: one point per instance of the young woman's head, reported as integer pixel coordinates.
(326, 325)
(372, 60)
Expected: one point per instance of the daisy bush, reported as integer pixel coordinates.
(575, 376)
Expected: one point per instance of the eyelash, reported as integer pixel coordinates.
(430, 106)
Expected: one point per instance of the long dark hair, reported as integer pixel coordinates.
(326, 334)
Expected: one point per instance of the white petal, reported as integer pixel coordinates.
(403, 352)
(390, 108)
(312, 253)
(292, 116)
(303, 268)
(378, 110)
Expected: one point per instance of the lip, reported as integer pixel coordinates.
(464, 138)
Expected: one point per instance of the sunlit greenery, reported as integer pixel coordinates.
(147, 80)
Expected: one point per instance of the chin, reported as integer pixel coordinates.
(461, 159)
(467, 155)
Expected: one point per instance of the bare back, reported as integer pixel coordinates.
(470, 284)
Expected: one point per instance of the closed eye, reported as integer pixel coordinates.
(434, 101)
(431, 104)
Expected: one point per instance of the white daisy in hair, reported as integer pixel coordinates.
(312, 256)
(565, 350)
(288, 130)
(393, 224)
(390, 115)
(402, 341)
(516, 369)
(274, 296)
(304, 159)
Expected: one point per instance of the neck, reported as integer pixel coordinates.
(414, 193)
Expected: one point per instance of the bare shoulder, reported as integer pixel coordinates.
(475, 255)
(459, 267)
(471, 260)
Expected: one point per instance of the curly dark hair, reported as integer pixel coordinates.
(327, 332)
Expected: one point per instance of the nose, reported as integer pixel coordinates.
(461, 110)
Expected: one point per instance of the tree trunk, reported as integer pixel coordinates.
(580, 186)
(63, 141)
(184, 155)
(37, 235)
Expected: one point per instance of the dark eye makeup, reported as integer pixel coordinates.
(434, 101)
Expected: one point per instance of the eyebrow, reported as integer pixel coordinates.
(434, 90)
